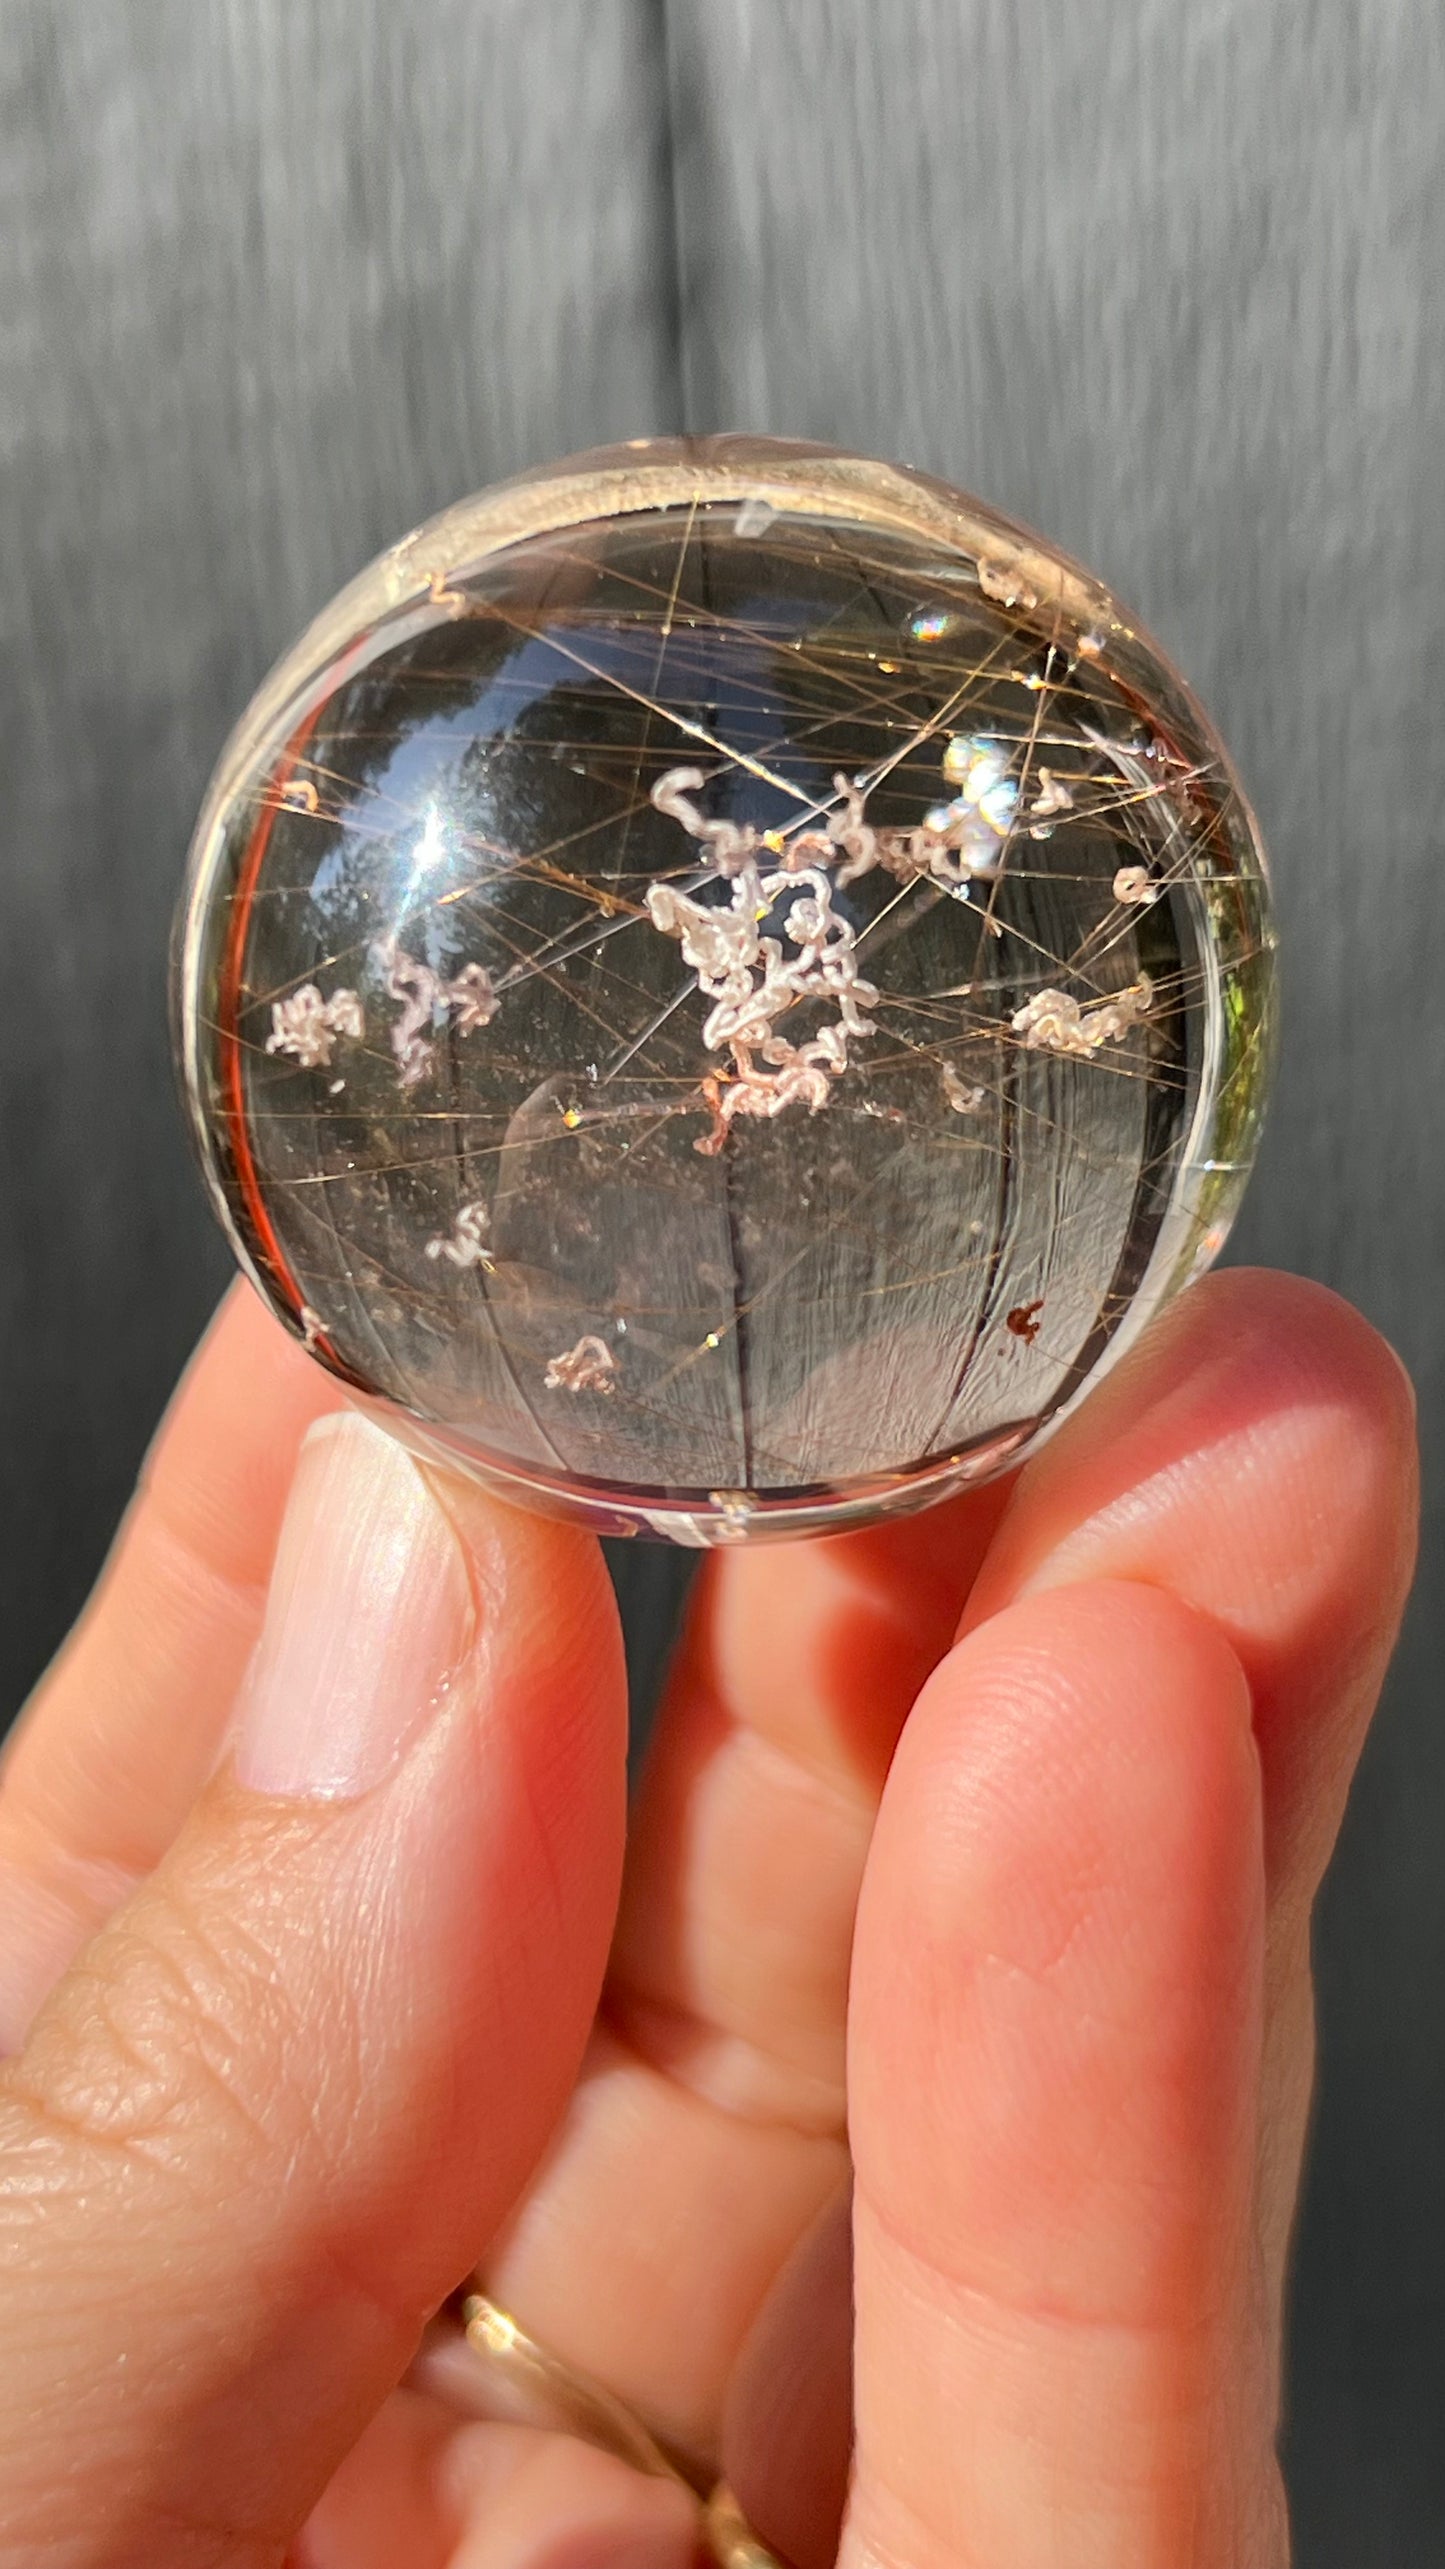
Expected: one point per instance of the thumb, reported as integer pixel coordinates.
(271, 2116)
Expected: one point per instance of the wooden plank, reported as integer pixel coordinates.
(1166, 283)
(274, 284)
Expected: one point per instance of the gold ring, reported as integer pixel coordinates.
(730, 2537)
(515, 2379)
(539, 2389)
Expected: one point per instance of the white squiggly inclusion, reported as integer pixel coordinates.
(590, 1366)
(754, 978)
(468, 999)
(306, 1025)
(1054, 1021)
(466, 1245)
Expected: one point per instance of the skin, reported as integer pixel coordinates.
(990, 1839)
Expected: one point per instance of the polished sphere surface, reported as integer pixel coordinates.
(721, 984)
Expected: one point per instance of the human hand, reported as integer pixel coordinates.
(300, 1974)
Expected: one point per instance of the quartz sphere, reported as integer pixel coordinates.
(720, 984)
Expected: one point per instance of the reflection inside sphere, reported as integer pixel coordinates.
(722, 1011)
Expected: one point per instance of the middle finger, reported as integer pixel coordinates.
(708, 2126)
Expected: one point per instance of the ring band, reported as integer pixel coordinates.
(516, 2379)
(730, 2537)
(537, 2388)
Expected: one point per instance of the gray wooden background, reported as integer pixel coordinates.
(278, 277)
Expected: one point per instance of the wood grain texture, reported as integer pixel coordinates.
(1166, 283)
(275, 281)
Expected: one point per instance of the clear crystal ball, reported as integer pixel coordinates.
(721, 984)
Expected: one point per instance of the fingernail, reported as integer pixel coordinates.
(369, 1611)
